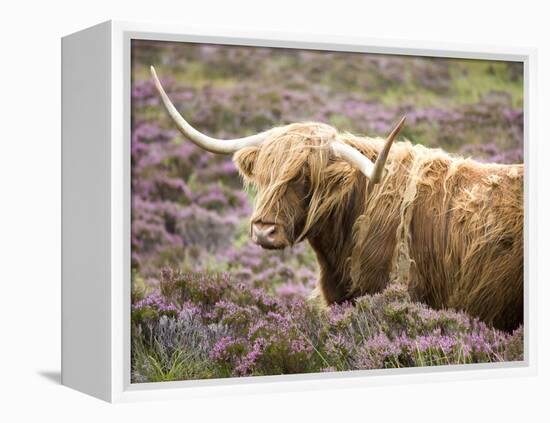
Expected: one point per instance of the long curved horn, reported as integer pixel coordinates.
(213, 145)
(383, 155)
(373, 171)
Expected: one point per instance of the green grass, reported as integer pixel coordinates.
(195, 74)
(473, 79)
(159, 365)
(470, 81)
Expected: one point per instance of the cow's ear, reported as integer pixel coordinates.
(245, 160)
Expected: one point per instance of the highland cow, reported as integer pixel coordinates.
(449, 227)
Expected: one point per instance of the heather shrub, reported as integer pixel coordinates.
(229, 328)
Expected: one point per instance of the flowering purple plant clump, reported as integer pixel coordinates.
(238, 330)
(206, 301)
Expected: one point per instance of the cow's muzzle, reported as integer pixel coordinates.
(269, 235)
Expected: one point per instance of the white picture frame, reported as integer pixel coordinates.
(96, 213)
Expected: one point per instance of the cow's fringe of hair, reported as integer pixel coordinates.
(290, 155)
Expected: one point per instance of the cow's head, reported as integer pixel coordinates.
(291, 168)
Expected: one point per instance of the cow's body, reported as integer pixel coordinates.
(448, 227)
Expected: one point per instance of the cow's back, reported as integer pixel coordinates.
(466, 239)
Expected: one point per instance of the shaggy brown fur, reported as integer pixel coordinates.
(449, 227)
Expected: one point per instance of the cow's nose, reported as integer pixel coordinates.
(263, 234)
